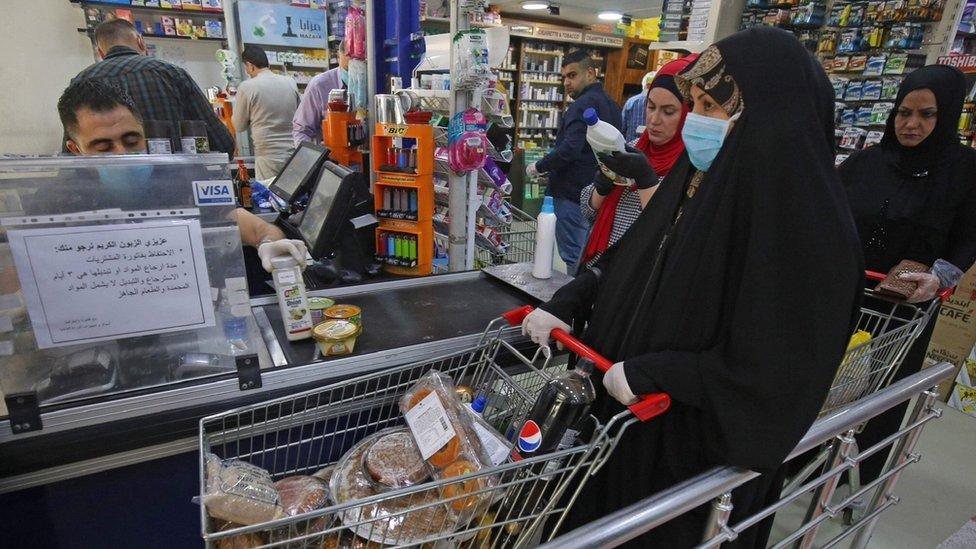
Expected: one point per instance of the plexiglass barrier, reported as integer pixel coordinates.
(119, 273)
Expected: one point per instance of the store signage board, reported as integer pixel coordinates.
(559, 34)
(519, 29)
(92, 283)
(965, 63)
(603, 40)
(282, 25)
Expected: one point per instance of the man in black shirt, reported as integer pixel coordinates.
(160, 90)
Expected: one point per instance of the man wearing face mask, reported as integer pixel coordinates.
(307, 124)
(100, 118)
(159, 90)
(570, 166)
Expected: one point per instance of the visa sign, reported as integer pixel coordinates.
(214, 193)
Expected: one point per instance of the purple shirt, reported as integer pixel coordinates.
(307, 124)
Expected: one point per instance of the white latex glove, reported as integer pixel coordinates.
(615, 380)
(539, 324)
(928, 286)
(267, 250)
(532, 170)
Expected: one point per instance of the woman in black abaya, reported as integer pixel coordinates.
(913, 196)
(734, 292)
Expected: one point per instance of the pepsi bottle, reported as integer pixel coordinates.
(561, 405)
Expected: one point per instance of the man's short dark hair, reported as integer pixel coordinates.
(115, 31)
(255, 56)
(581, 57)
(95, 94)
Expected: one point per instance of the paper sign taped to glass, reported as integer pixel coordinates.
(85, 284)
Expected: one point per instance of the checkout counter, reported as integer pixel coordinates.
(119, 398)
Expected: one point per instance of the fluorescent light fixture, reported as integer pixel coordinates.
(609, 15)
(535, 5)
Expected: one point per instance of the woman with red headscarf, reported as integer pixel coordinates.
(611, 208)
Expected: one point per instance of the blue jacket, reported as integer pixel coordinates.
(571, 166)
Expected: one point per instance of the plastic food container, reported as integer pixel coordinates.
(317, 307)
(336, 337)
(351, 313)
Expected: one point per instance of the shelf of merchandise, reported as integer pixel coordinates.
(153, 9)
(419, 230)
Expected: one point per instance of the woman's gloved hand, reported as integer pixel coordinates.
(928, 286)
(615, 380)
(269, 249)
(632, 164)
(602, 184)
(539, 324)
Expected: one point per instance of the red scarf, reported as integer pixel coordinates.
(662, 159)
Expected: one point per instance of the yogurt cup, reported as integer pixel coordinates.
(336, 337)
(317, 307)
(351, 313)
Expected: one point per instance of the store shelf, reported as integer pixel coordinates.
(686, 45)
(435, 20)
(543, 52)
(542, 72)
(164, 37)
(541, 82)
(182, 12)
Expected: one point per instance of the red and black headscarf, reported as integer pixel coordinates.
(661, 157)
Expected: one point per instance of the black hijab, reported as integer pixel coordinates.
(746, 317)
(949, 87)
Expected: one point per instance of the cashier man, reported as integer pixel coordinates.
(100, 118)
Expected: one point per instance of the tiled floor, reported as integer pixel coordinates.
(938, 494)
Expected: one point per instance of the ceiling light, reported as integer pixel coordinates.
(535, 5)
(607, 15)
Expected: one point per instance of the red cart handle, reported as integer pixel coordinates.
(647, 408)
(944, 294)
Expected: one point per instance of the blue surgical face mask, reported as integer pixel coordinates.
(344, 75)
(703, 137)
(125, 179)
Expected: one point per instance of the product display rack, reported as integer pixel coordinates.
(410, 229)
(338, 129)
(157, 23)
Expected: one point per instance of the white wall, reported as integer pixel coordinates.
(41, 50)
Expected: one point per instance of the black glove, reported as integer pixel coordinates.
(632, 164)
(602, 184)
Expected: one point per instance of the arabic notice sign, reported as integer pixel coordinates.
(104, 282)
(282, 25)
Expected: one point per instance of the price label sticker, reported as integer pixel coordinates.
(395, 130)
(430, 425)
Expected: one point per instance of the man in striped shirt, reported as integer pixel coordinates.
(161, 91)
(633, 112)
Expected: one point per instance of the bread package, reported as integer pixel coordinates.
(445, 435)
(393, 461)
(240, 492)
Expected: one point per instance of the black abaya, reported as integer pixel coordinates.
(743, 313)
(915, 203)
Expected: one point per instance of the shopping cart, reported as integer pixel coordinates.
(886, 329)
(304, 433)
(519, 240)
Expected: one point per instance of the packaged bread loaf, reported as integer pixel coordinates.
(240, 492)
(445, 435)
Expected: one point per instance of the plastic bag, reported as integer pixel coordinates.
(358, 85)
(240, 492)
(445, 435)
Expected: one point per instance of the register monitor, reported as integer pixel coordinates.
(334, 200)
(299, 172)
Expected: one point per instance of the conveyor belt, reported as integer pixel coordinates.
(396, 316)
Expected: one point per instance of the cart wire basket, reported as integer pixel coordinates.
(514, 504)
(519, 240)
(886, 330)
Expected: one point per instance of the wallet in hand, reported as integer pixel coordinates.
(893, 286)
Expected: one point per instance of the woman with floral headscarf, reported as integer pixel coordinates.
(735, 291)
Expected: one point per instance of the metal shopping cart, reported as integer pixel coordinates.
(518, 239)
(886, 329)
(304, 433)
